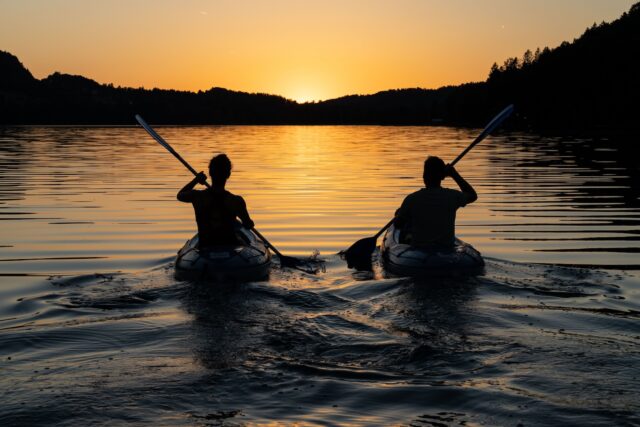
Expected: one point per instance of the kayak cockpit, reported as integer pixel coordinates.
(403, 259)
(247, 260)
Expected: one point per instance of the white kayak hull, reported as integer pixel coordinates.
(244, 262)
(405, 260)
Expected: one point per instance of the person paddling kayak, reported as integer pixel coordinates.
(427, 216)
(216, 209)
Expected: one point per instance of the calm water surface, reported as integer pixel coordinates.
(94, 328)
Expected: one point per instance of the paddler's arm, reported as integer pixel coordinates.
(465, 187)
(243, 214)
(185, 194)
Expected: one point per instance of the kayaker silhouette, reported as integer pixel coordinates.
(427, 217)
(216, 209)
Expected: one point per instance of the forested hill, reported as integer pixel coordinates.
(590, 84)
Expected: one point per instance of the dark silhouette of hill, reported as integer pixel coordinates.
(587, 85)
(464, 104)
(14, 76)
(591, 83)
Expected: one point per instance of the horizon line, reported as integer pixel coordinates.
(253, 93)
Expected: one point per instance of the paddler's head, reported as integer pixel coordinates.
(433, 171)
(220, 169)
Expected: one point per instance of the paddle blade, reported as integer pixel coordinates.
(160, 140)
(493, 124)
(289, 261)
(358, 255)
(497, 120)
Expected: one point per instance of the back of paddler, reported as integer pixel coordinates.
(216, 209)
(427, 217)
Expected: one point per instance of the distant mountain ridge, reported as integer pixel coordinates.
(589, 84)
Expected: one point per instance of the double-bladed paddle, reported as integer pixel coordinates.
(359, 254)
(286, 261)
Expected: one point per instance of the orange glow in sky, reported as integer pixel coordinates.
(303, 50)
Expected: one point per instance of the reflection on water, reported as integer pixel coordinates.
(84, 199)
(94, 327)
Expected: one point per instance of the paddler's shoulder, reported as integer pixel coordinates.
(235, 199)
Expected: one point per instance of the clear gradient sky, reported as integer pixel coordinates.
(303, 50)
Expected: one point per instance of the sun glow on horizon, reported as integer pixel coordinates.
(304, 90)
(305, 96)
(304, 51)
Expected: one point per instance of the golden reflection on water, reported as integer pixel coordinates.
(110, 192)
(322, 187)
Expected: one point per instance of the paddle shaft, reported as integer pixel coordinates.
(266, 242)
(184, 162)
(170, 149)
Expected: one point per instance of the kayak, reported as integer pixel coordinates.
(405, 260)
(246, 261)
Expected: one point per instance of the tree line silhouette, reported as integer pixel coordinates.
(587, 85)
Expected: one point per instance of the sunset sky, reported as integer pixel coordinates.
(303, 50)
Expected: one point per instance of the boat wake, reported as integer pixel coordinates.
(521, 343)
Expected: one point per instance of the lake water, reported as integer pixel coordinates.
(94, 328)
